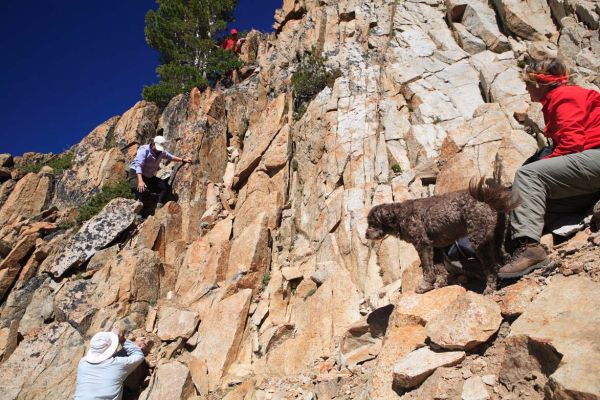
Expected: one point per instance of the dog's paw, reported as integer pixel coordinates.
(424, 287)
(488, 290)
(441, 282)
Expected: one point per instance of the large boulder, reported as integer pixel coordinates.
(94, 235)
(40, 309)
(558, 336)
(5, 190)
(220, 338)
(99, 139)
(175, 322)
(250, 252)
(135, 127)
(478, 19)
(6, 160)
(465, 323)
(530, 19)
(44, 365)
(73, 304)
(20, 297)
(8, 340)
(405, 333)
(98, 169)
(171, 381)
(121, 290)
(362, 341)
(515, 299)
(28, 198)
(205, 263)
(261, 134)
(479, 147)
(419, 364)
(12, 264)
(293, 344)
(5, 174)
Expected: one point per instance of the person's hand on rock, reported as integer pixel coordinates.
(117, 331)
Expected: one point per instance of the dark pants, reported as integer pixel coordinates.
(153, 185)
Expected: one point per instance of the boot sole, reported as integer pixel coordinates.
(508, 275)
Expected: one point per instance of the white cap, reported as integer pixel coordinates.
(102, 346)
(159, 141)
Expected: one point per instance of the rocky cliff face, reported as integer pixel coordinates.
(258, 283)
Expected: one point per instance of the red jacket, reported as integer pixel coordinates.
(572, 116)
(231, 44)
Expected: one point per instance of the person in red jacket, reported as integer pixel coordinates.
(232, 42)
(571, 170)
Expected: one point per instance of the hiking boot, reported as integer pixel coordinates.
(596, 215)
(526, 258)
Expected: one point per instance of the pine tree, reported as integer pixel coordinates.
(183, 32)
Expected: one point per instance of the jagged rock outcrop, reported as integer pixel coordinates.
(14, 261)
(465, 323)
(567, 357)
(257, 280)
(44, 365)
(95, 234)
(28, 198)
(418, 365)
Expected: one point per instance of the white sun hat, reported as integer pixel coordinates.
(102, 346)
(159, 142)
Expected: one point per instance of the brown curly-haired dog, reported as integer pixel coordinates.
(438, 221)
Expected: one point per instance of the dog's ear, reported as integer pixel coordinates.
(376, 225)
(374, 217)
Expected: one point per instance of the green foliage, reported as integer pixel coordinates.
(183, 32)
(58, 163)
(300, 110)
(309, 79)
(66, 224)
(94, 205)
(265, 280)
(396, 168)
(174, 79)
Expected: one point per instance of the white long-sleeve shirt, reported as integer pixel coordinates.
(104, 381)
(147, 162)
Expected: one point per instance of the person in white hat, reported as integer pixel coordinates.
(142, 173)
(102, 371)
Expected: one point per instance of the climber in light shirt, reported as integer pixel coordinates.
(142, 173)
(102, 371)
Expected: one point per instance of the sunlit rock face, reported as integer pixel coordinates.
(257, 280)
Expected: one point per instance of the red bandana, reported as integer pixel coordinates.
(543, 78)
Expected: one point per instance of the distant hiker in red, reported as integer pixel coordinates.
(232, 42)
(567, 179)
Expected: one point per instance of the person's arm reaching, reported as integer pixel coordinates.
(171, 157)
(134, 358)
(137, 166)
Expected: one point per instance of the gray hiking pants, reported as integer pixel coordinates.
(560, 183)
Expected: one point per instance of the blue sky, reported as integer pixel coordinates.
(68, 65)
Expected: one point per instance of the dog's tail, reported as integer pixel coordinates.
(491, 192)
